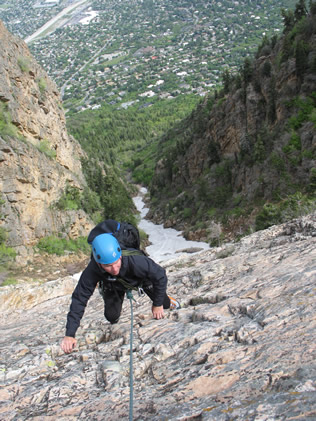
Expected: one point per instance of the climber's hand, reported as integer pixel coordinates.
(68, 344)
(158, 312)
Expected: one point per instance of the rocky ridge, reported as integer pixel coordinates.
(242, 346)
(38, 158)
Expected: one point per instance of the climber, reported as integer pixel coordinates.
(116, 273)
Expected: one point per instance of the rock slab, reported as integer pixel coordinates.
(243, 346)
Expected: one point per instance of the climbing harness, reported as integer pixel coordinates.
(129, 295)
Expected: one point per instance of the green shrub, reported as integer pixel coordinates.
(51, 245)
(223, 170)
(220, 195)
(3, 235)
(70, 199)
(312, 180)
(297, 205)
(9, 281)
(312, 117)
(6, 126)
(211, 212)
(277, 162)
(90, 202)
(187, 213)
(7, 254)
(306, 111)
(24, 64)
(293, 206)
(293, 145)
(60, 246)
(42, 85)
(259, 150)
(269, 215)
(308, 153)
(46, 149)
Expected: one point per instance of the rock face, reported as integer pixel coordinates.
(37, 157)
(249, 143)
(242, 347)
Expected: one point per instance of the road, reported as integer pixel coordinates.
(55, 19)
(95, 55)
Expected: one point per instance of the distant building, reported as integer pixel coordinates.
(46, 3)
(147, 94)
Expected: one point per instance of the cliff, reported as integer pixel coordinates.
(38, 158)
(254, 142)
(241, 348)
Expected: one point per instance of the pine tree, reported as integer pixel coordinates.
(288, 20)
(301, 59)
(247, 71)
(227, 80)
(300, 10)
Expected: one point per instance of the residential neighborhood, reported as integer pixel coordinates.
(125, 51)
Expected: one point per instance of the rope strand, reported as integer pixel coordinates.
(131, 388)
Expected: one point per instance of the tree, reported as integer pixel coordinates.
(312, 7)
(301, 55)
(227, 80)
(272, 102)
(300, 10)
(288, 20)
(247, 71)
(266, 69)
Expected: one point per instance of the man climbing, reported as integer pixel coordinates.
(117, 271)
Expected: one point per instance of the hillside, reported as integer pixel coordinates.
(51, 190)
(246, 156)
(241, 348)
(39, 160)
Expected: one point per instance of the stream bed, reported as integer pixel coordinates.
(166, 243)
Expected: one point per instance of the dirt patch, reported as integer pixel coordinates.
(47, 268)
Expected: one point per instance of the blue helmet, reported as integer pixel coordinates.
(106, 249)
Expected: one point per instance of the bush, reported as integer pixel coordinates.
(6, 126)
(259, 150)
(220, 195)
(312, 180)
(293, 145)
(42, 85)
(46, 149)
(269, 215)
(60, 246)
(277, 162)
(3, 235)
(9, 281)
(293, 206)
(24, 64)
(305, 111)
(187, 213)
(7, 254)
(70, 199)
(90, 202)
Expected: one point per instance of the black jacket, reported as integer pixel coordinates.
(134, 270)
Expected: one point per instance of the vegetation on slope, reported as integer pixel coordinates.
(163, 131)
(113, 140)
(277, 155)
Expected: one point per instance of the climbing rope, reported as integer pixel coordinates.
(129, 295)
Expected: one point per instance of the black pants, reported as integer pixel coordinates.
(113, 300)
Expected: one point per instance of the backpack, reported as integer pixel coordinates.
(125, 233)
